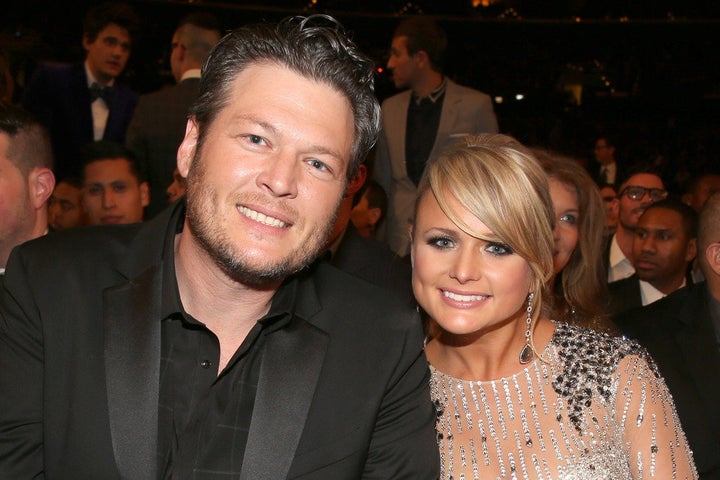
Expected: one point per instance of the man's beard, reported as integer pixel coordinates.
(208, 228)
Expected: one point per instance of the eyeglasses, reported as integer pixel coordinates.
(638, 193)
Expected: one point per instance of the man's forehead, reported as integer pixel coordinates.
(660, 219)
(647, 180)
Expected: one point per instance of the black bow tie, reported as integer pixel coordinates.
(96, 91)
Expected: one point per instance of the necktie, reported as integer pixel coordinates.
(96, 91)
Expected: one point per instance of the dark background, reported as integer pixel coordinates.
(646, 72)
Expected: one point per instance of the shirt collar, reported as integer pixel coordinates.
(192, 73)
(435, 95)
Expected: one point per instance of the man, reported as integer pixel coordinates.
(158, 125)
(700, 189)
(611, 202)
(369, 210)
(84, 103)
(664, 247)
(641, 189)
(65, 207)
(421, 122)
(682, 333)
(114, 187)
(26, 179)
(177, 188)
(609, 171)
(365, 257)
(199, 344)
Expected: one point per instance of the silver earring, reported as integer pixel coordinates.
(526, 354)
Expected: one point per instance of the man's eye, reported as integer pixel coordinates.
(315, 163)
(256, 139)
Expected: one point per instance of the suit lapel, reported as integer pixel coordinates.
(289, 373)
(132, 364)
(450, 108)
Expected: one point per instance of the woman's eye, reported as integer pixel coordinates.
(568, 218)
(441, 243)
(495, 248)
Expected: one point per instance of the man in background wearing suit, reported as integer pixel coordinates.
(682, 333)
(202, 343)
(421, 122)
(83, 103)
(158, 125)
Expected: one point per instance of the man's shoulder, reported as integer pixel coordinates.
(663, 316)
(468, 92)
(397, 99)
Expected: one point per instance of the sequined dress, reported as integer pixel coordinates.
(597, 410)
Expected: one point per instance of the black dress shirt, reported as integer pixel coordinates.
(423, 120)
(204, 416)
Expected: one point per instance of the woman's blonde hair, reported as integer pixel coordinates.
(499, 181)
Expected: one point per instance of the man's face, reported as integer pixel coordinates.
(264, 187)
(610, 201)
(630, 209)
(65, 209)
(16, 219)
(707, 185)
(109, 53)
(176, 188)
(112, 194)
(604, 153)
(403, 66)
(661, 249)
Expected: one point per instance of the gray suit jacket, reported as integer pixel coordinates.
(156, 130)
(464, 112)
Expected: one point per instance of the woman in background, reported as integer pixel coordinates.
(579, 283)
(519, 395)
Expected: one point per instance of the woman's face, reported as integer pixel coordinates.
(567, 216)
(465, 284)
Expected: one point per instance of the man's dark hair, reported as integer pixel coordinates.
(688, 214)
(423, 33)
(104, 14)
(376, 197)
(315, 47)
(105, 150)
(638, 168)
(29, 142)
(204, 20)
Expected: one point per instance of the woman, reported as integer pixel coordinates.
(518, 395)
(579, 285)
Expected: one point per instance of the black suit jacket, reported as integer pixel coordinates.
(58, 95)
(678, 333)
(372, 260)
(343, 396)
(155, 133)
(624, 294)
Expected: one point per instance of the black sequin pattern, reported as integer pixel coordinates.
(590, 358)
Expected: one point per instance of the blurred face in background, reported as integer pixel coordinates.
(112, 194)
(108, 54)
(65, 208)
(567, 216)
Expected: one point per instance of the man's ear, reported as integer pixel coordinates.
(86, 42)
(691, 250)
(144, 194)
(41, 183)
(186, 151)
(422, 59)
(712, 255)
(357, 181)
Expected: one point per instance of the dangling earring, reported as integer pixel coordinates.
(526, 354)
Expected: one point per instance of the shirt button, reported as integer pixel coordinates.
(206, 364)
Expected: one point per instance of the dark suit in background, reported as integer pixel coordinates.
(678, 332)
(58, 95)
(624, 294)
(156, 130)
(342, 390)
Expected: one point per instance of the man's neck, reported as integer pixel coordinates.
(427, 84)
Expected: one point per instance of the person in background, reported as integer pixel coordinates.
(65, 207)
(421, 122)
(158, 124)
(578, 285)
(114, 187)
(26, 179)
(83, 103)
(611, 202)
(664, 248)
(515, 391)
(369, 210)
(682, 333)
(700, 189)
(208, 342)
(177, 188)
(609, 171)
(640, 190)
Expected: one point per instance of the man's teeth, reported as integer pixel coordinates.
(463, 298)
(261, 217)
